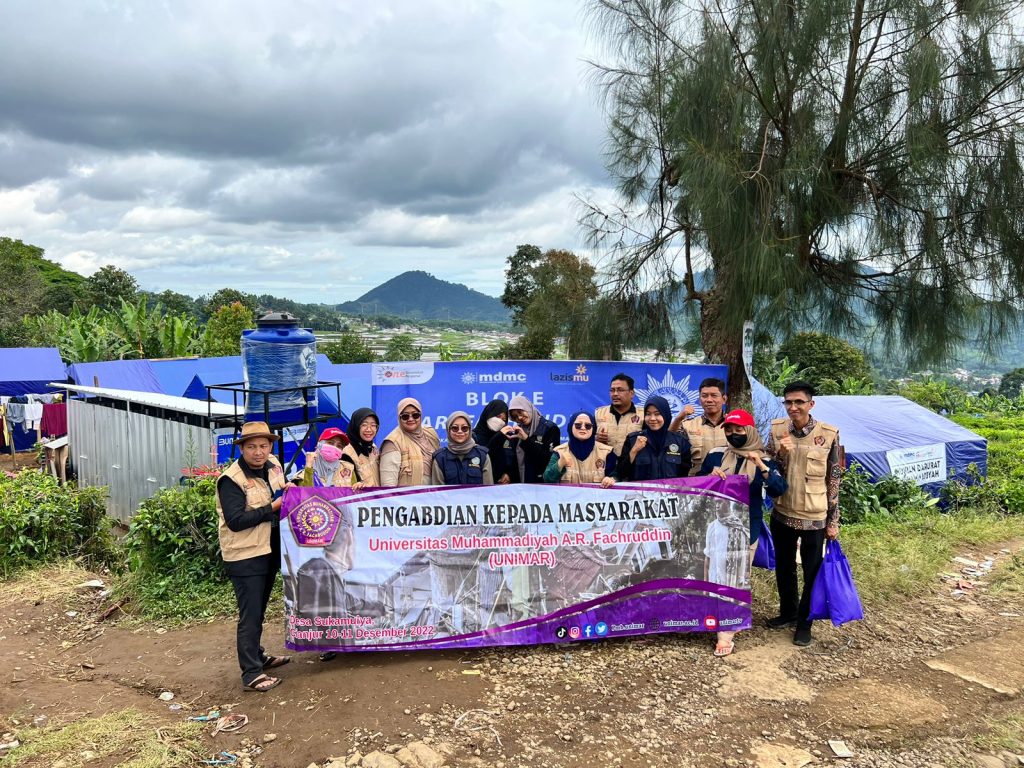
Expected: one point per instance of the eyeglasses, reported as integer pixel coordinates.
(794, 403)
(411, 416)
(617, 390)
(458, 429)
(582, 426)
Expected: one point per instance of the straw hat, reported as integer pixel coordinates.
(254, 429)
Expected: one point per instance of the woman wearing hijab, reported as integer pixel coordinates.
(323, 467)
(730, 543)
(492, 420)
(582, 459)
(654, 453)
(524, 453)
(406, 453)
(462, 461)
(361, 453)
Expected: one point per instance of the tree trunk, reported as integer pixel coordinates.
(723, 344)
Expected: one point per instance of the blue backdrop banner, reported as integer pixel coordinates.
(557, 387)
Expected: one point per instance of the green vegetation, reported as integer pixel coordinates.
(132, 738)
(42, 522)
(832, 365)
(418, 296)
(174, 556)
(224, 330)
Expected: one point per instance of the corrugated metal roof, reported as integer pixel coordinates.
(170, 402)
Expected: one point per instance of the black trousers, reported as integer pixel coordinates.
(252, 594)
(793, 604)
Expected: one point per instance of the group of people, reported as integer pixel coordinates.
(799, 468)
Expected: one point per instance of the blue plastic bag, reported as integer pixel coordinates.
(764, 555)
(834, 595)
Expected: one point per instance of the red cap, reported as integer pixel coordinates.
(330, 432)
(738, 416)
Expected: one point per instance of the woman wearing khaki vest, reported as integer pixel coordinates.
(248, 512)
(730, 542)
(406, 453)
(361, 453)
(582, 459)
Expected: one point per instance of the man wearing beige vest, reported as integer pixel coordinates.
(705, 432)
(622, 418)
(807, 453)
(248, 512)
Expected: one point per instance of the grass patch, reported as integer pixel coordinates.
(128, 738)
(44, 582)
(1006, 732)
(1008, 578)
(179, 602)
(892, 558)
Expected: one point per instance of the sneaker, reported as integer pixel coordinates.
(802, 637)
(328, 655)
(781, 622)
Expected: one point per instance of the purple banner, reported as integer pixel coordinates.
(470, 566)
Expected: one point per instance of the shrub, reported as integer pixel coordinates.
(830, 360)
(173, 536)
(42, 521)
(861, 500)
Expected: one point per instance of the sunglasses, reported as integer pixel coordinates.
(582, 426)
(411, 416)
(458, 429)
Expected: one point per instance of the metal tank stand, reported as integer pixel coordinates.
(240, 394)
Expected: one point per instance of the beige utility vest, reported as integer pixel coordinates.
(411, 472)
(805, 470)
(590, 470)
(367, 467)
(703, 438)
(618, 431)
(252, 542)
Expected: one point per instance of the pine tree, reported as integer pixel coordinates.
(841, 165)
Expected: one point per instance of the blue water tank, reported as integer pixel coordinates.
(278, 354)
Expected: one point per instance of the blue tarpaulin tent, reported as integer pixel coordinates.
(133, 375)
(890, 435)
(28, 370)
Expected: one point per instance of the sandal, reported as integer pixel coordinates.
(328, 655)
(724, 649)
(262, 684)
(273, 662)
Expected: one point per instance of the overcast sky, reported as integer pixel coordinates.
(309, 149)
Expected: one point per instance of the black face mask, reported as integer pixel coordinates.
(737, 441)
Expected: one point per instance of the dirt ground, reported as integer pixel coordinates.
(913, 684)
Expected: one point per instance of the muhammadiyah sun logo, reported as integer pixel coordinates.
(678, 393)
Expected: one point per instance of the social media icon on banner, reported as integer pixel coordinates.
(601, 628)
(588, 630)
(574, 633)
(710, 622)
(561, 632)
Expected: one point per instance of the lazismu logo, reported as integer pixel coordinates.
(497, 378)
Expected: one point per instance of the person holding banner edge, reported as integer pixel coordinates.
(462, 461)
(654, 453)
(582, 459)
(529, 441)
(807, 453)
(704, 432)
(622, 418)
(407, 452)
(248, 511)
(324, 468)
(745, 455)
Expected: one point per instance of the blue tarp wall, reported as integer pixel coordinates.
(28, 370)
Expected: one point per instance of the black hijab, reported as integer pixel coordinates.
(481, 432)
(656, 438)
(363, 447)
